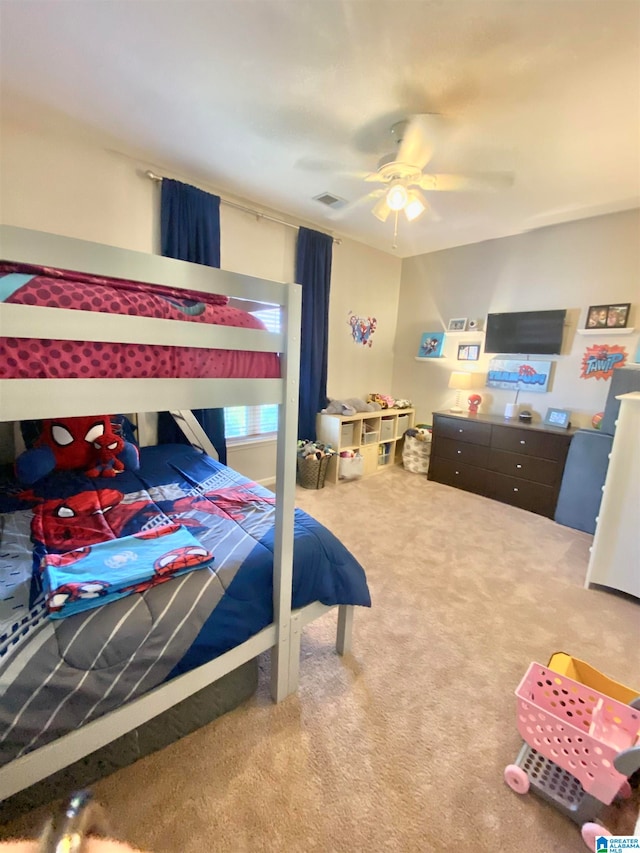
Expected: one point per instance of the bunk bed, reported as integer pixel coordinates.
(290, 540)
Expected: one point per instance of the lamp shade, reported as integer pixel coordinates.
(397, 196)
(460, 380)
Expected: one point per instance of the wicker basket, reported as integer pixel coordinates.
(311, 472)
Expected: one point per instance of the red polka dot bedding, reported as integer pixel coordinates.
(40, 358)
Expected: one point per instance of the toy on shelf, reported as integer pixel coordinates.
(474, 403)
(580, 744)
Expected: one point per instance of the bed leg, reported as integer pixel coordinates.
(295, 640)
(345, 629)
(279, 657)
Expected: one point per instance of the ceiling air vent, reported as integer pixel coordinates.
(330, 200)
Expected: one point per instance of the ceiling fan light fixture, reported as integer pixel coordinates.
(414, 207)
(397, 196)
(381, 209)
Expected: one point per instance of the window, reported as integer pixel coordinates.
(246, 421)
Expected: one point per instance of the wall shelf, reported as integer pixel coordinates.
(467, 332)
(605, 331)
(428, 358)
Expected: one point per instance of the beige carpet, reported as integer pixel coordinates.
(400, 746)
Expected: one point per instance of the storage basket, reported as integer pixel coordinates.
(350, 467)
(346, 434)
(402, 425)
(387, 429)
(312, 472)
(416, 454)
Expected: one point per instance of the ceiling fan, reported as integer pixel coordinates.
(403, 172)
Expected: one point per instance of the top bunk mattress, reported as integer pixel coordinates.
(51, 358)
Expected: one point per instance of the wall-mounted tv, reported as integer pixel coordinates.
(525, 332)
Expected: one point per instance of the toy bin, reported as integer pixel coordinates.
(575, 739)
(350, 467)
(416, 455)
(369, 433)
(346, 434)
(402, 425)
(312, 472)
(387, 429)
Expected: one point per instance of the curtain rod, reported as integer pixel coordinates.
(159, 178)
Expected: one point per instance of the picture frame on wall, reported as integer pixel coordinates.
(613, 316)
(468, 352)
(559, 418)
(617, 315)
(457, 324)
(431, 345)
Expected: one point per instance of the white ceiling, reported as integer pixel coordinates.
(277, 101)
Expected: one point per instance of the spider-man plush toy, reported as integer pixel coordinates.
(90, 444)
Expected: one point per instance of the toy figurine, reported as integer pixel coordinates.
(474, 402)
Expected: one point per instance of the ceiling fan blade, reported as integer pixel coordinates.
(374, 177)
(416, 144)
(469, 182)
(381, 209)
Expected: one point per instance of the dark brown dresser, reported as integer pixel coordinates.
(509, 461)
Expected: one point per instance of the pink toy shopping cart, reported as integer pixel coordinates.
(579, 749)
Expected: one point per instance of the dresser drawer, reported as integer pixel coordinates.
(532, 443)
(522, 493)
(462, 451)
(544, 471)
(461, 429)
(451, 473)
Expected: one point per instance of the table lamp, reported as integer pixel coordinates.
(461, 381)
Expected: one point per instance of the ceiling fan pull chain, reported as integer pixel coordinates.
(395, 232)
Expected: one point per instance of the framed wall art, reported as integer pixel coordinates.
(468, 352)
(431, 345)
(608, 316)
(458, 324)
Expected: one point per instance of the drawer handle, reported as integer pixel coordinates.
(457, 472)
(460, 430)
(459, 451)
(515, 489)
(518, 466)
(522, 441)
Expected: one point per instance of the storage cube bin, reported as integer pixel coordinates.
(403, 424)
(387, 429)
(370, 434)
(346, 435)
(350, 467)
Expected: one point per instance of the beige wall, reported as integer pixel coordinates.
(588, 262)
(61, 177)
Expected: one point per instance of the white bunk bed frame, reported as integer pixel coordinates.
(45, 398)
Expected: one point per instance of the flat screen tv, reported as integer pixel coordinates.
(525, 332)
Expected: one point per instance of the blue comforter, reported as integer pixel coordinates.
(57, 675)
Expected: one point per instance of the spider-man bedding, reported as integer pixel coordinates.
(56, 675)
(31, 358)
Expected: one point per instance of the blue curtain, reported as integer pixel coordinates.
(313, 272)
(190, 231)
